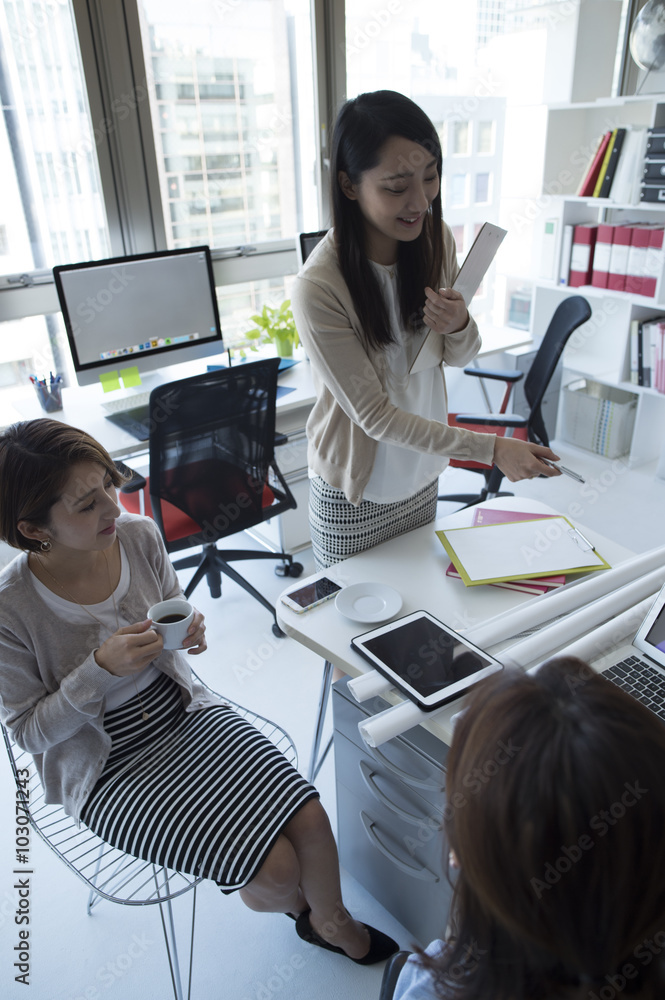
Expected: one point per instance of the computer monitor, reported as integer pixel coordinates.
(146, 311)
(306, 243)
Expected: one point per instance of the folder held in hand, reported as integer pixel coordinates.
(467, 282)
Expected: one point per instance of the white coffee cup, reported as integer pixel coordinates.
(174, 632)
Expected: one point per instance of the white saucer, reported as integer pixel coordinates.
(369, 603)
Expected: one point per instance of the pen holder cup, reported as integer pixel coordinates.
(49, 396)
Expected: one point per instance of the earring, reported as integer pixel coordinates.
(45, 545)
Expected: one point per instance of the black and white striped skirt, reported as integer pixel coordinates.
(340, 530)
(200, 792)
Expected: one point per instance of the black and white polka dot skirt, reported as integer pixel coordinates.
(339, 529)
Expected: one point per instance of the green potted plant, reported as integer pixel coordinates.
(275, 324)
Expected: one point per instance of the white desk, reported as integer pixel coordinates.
(390, 800)
(82, 405)
(415, 565)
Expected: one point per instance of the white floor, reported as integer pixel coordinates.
(118, 951)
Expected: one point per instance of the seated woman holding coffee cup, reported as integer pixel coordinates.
(122, 734)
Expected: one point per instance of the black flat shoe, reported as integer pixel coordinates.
(381, 946)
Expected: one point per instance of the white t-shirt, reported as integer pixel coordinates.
(400, 472)
(123, 688)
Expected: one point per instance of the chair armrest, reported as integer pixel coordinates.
(492, 419)
(137, 481)
(495, 373)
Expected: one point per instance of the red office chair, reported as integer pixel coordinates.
(213, 471)
(569, 314)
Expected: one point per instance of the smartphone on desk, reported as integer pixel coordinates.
(311, 594)
(424, 659)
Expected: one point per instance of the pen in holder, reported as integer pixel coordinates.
(49, 392)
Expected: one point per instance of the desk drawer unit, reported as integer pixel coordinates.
(389, 811)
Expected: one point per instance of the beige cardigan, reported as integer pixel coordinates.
(352, 411)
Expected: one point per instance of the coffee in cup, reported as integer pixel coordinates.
(172, 619)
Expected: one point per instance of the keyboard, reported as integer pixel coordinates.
(121, 404)
(639, 678)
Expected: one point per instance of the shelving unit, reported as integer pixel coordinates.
(600, 350)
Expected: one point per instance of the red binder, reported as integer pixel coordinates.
(601, 255)
(637, 259)
(616, 278)
(581, 259)
(589, 181)
(654, 262)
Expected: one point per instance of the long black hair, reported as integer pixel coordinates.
(363, 126)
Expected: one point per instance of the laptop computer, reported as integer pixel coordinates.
(639, 667)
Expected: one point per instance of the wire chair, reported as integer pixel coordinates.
(110, 873)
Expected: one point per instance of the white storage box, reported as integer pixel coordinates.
(598, 417)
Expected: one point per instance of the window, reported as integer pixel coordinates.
(482, 70)
(458, 190)
(216, 146)
(485, 133)
(230, 99)
(458, 233)
(482, 189)
(50, 181)
(460, 138)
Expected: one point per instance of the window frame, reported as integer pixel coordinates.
(115, 80)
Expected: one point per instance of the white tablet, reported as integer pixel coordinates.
(429, 662)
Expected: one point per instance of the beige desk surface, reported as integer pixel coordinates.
(415, 565)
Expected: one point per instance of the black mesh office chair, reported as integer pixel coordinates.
(213, 471)
(569, 314)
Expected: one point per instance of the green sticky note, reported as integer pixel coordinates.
(110, 381)
(130, 377)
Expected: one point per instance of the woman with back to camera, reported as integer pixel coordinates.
(363, 303)
(560, 892)
(122, 734)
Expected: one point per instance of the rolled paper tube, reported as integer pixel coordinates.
(393, 722)
(369, 685)
(604, 638)
(554, 637)
(591, 645)
(564, 600)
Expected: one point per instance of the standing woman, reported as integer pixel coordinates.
(363, 303)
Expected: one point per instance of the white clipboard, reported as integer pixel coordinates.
(519, 550)
(471, 273)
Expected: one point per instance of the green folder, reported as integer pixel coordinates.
(519, 550)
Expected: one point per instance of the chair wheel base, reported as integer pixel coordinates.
(289, 569)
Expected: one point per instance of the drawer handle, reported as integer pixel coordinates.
(422, 873)
(431, 786)
(367, 775)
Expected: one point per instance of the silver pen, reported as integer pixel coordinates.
(562, 468)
